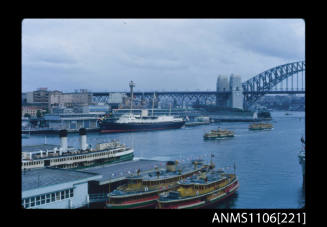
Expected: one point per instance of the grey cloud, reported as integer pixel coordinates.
(162, 54)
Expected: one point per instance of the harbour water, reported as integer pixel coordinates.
(267, 166)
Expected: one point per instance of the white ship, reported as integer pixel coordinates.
(47, 155)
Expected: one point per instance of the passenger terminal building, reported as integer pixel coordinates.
(52, 188)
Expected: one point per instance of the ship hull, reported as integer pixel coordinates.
(112, 127)
(144, 203)
(200, 201)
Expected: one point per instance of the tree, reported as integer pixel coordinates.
(38, 114)
(27, 115)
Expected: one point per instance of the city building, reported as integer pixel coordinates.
(24, 97)
(32, 110)
(54, 188)
(69, 100)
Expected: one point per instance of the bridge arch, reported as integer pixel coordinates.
(262, 83)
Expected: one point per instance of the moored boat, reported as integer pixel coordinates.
(63, 156)
(219, 133)
(260, 126)
(203, 191)
(143, 191)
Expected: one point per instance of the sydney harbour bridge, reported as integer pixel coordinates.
(283, 79)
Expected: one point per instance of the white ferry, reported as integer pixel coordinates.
(47, 155)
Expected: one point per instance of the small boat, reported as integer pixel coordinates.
(143, 191)
(214, 134)
(202, 191)
(260, 126)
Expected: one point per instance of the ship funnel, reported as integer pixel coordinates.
(63, 140)
(171, 166)
(82, 133)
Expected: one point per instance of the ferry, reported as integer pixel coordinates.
(143, 191)
(48, 155)
(202, 191)
(260, 126)
(219, 133)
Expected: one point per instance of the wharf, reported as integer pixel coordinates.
(54, 131)
(118, 172)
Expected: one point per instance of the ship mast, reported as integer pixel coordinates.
(169, 109)
(154, 96)
(131, 85)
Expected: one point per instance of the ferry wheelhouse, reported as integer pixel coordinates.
(143, 191)
(48, 155)
(203, 191)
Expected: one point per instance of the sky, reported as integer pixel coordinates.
(157, 54)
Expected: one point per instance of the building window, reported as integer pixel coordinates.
(38, 198)
(27, 203)
(32, 202)
(53, 197)
(42, 199)
(48, 198)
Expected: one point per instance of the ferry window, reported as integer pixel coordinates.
(57, 195)
(43, 199)
(32, 202)
(53, 197)
(48, 198)
(62, 194)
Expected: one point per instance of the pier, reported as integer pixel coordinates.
(114, 175)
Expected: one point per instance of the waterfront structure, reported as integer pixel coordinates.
(51, 188)
(72, 121)
(201, 191)
(47, 155)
